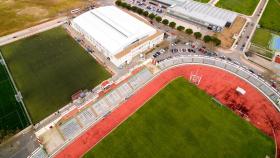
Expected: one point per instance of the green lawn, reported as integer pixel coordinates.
(270, 18)
(48, 68)
(262, 37)
(19, 14)
(183, 121)
(12, 115)
(246, 7)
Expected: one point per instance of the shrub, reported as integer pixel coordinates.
(172, 24)
(216, 41)
(165, 22)
(152, 16)
(118, 2)
(181, 28)
(158, 19)
(146, 13)
(189, 31)
(197, 35)
(207, 38)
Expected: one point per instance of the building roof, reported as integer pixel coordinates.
(113, 28)
(204, 12)
(170, 2)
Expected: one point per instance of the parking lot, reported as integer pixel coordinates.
(149, 6)
(196, 48)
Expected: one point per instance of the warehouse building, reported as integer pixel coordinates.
(119, 35)
(204, 14)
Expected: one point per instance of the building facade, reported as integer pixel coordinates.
(119, 35)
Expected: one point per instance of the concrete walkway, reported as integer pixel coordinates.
(213, 2)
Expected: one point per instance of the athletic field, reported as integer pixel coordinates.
(12, 115)
(48, 68)
(262, 37)
(270, 19)
(246, 7)
(183, 121)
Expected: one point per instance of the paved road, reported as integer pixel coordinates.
(31, 31)
(23, 144)
(250, 28)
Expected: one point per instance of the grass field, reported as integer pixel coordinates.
(48, 68)
(270, 19)
(12, 115)
(183, 121)
(246, 7)
(16, 15)
(262, 37)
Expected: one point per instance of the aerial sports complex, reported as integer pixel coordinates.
(82, 128)
(179, 106)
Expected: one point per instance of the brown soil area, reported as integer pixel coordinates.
(227, 35)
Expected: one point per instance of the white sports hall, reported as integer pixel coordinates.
(116, 33)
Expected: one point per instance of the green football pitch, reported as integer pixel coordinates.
(270, 19)
(50, 67)
(12, 115)
(183, 121)
(246, 7)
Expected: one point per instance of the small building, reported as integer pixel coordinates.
(204, 14)
(120, 36)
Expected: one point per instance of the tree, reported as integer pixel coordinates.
(197, 35)
(216, 41)
(146, 13)
(172, 24)
(118, 2)
(180, 28)
(207, 38)
(165, 22)
(189, 31)
(124, 5)
(158, 19)
(128, 6)
(134, 8)
(139, 11)
(152, 16)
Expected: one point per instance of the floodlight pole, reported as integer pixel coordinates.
(18, 94)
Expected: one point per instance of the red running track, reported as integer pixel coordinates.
(216, 82)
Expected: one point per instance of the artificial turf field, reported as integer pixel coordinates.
(262, 37)
(246, 7)
(12, 115)
(183, 121)
(50, 67)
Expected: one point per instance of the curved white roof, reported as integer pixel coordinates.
(113, 28)
(204, 12)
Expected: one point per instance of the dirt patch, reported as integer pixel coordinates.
(228, 34)
(33, 11)
(7, 2)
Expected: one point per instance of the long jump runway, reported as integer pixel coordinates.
(216, 82)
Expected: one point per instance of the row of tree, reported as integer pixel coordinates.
(198, 35)
(152, 16)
